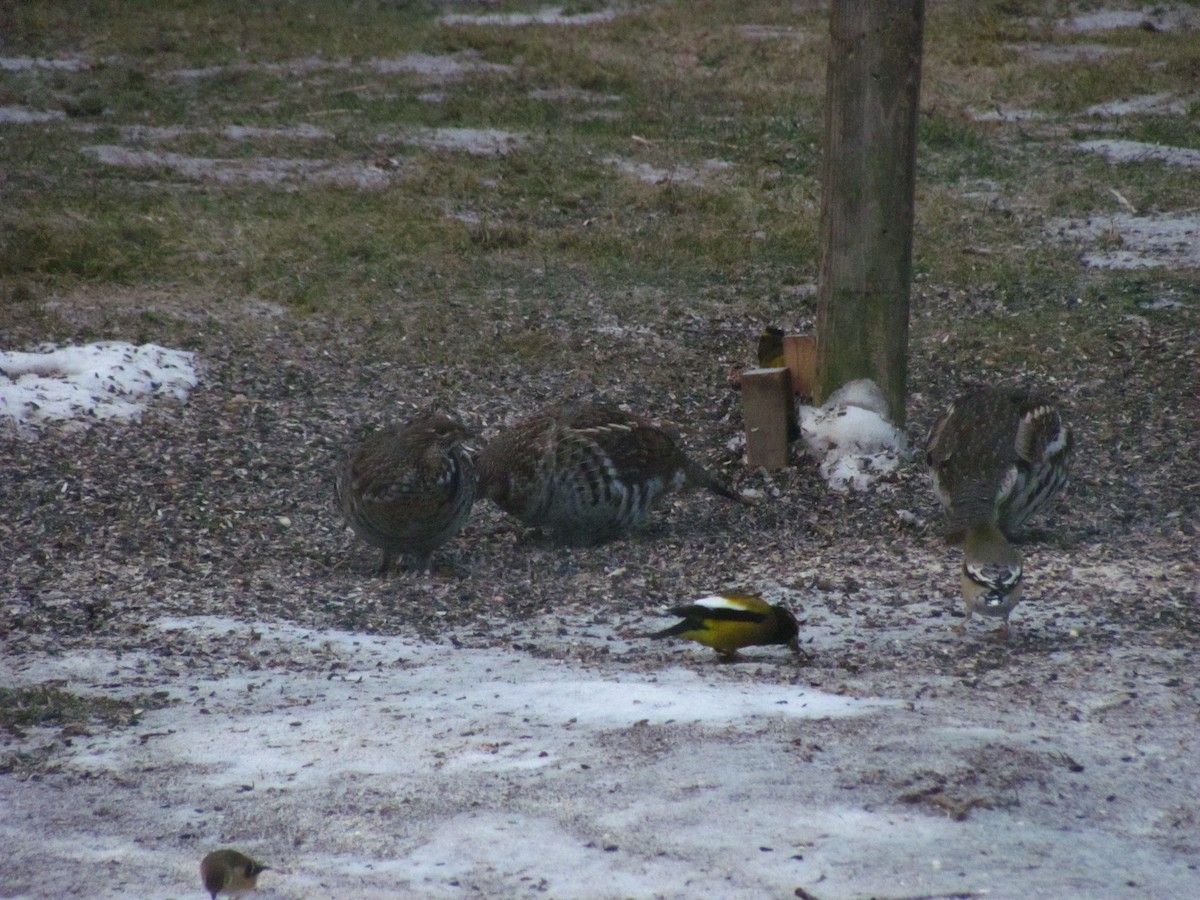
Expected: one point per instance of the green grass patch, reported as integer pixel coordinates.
(724, 98)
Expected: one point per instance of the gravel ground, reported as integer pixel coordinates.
(1080, 730)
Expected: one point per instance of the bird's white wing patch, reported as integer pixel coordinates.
(716, 601)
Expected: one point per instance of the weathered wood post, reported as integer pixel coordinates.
(871, 107)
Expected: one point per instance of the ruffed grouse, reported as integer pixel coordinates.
(587, 471)
(996, 457)
(408, 489)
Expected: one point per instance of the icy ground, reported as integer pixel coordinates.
(361, 766)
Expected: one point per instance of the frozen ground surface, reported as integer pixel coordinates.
(362, 766)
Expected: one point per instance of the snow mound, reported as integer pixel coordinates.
(105, 380)
(852, 436)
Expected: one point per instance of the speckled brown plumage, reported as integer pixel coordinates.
(587, 471)
(998, 455)
(408, 489)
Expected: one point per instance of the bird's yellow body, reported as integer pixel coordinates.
(727, 622)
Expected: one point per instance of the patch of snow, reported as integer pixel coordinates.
(233, 132)
(248, 132)
(423, 64)
(397, 705)
(1137, 151)
(304, 66)
(677, 175)
(263, 170)
(1006, 115)
(852, 436)
(371, 766)
(24, 63)
(1151, 104)
(476, 141)
(551, 15)
(23, 115)
(571, 93)
(1163, 303)
(438, 67)
(106, 380)
(1158, 17)
(771, 33)
(1146, 242)
(1066, 53)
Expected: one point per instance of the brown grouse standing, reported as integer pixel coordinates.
(996, 457)
(408, 489)
(587, 471)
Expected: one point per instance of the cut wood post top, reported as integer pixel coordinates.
(766, 401)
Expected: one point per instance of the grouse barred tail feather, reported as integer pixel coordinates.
(728, 621)
(996, 457)
(587, 471)
(408, 489)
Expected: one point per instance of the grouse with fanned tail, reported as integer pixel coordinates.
(996, 457)
(586, 471)
(408, 489)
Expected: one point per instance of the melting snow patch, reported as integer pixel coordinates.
(24, 63)
(437, 67)
(424, 64)
(476, 141)
(263, 170)
(233, 132)
(1145, 242)
(21, 115)
(1066, 53)
(1006, 115)
(552, 15)
(572, 93)
(771, 33)
(852, 436)
(677, 175)
(107, 380)
(1137, 151)
(497, 711)
(1151, 104)
(1154, 18)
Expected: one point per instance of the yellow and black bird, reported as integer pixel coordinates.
(728, 621)
(770, 348)
(230, 872)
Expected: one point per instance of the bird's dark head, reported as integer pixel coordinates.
(443, 430)
(789, 628)
(254, 868)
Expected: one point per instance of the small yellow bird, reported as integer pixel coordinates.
(732, 620)
(770, 348)
(229, 872)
